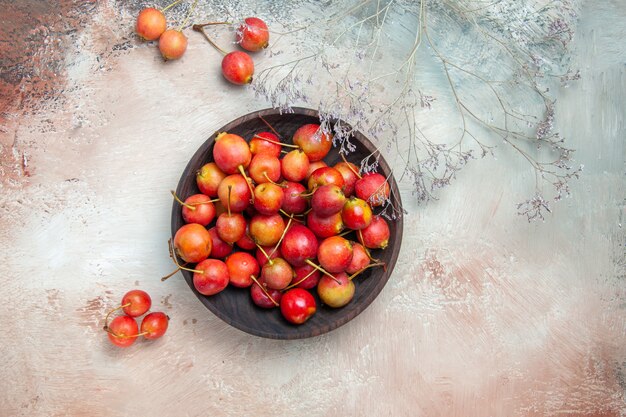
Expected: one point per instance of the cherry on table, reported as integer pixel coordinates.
(253, 35)
(150, 24)
(154, 325)
(136, 302)
(122, 331)
(172, 44)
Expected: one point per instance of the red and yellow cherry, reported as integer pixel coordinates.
(306, 277)
(220, 249)
(260, 295)
(238, 68)
(277, 274)
(314, 166)
(240, 266)
(350, 174)
(231, 153)
(376, 235)
(231, 227)
(192, 243)
(265, 143)
(198, 208)
(294, 202)
(373, 188)
(154, 325)
(327, 200)
(295, 165)
(324, 227)
(122, 331)
(240, 194)
(136, 302)
(334, 254)
(213, 278)
(298, 245)
(208, 179)
(264, 168)
(315, 143)
(172, 44)
(297, 305)
(268, 198)
(356, 214)
(325, 176)
(253, 34)
(336, 292)
(150, 24)
(360, 258)
(246, 243)
(266, 230)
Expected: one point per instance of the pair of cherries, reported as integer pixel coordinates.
(152, 25)
(123, 330)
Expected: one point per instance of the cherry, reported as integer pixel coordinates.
(313, 166)
(154, 325)
(150, 24)
(231, 153)
(264, 253)
(327, 200)
(136, 302)
(373, 188)
(208, 179)
(298, 245)
(264, 297)
(266, 230)
(122, 331)
(294, 202)
(231, 227)
(238, 68)
(356, 214)
(212, 277)
(265, 143)
(264, 168)
(246, 243)
(295, 165)
(253, 34)
(198, 208)
(324, 227)
(220, 249)
(325, 176)
(235, 191)
(336, 293)
(277, 274)
(360, 258)
(240, 266)
(306, 277)
(315, 143)
(172, 44)
(268, 198)
(334, 254)
(350, 174)
(297, 305)
(192, 243)
(376, 235)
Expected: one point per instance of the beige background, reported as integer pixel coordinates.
(485, 314)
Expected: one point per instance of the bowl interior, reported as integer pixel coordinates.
(234, 305)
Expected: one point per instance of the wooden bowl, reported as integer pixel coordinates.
(234, 305)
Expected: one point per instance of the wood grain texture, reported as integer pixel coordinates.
(483, 315)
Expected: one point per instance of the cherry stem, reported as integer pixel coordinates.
(364, 268)
(269, 260)
(264, 290)
(106, 318)
(288, 145)
(195, 271)
(201, 25)
(171, 5)
(367, 251)
(270, 126)
(124, 336)
(347, 232)
(299, 282)
(182, 203)
(199, 28)
(322, 270)
(291, 215)
(203, 202)
(230, 189)
(193, 7)
(282, 236)
(349, 165)
(248, 181)
(309, 194)
(272, 182)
